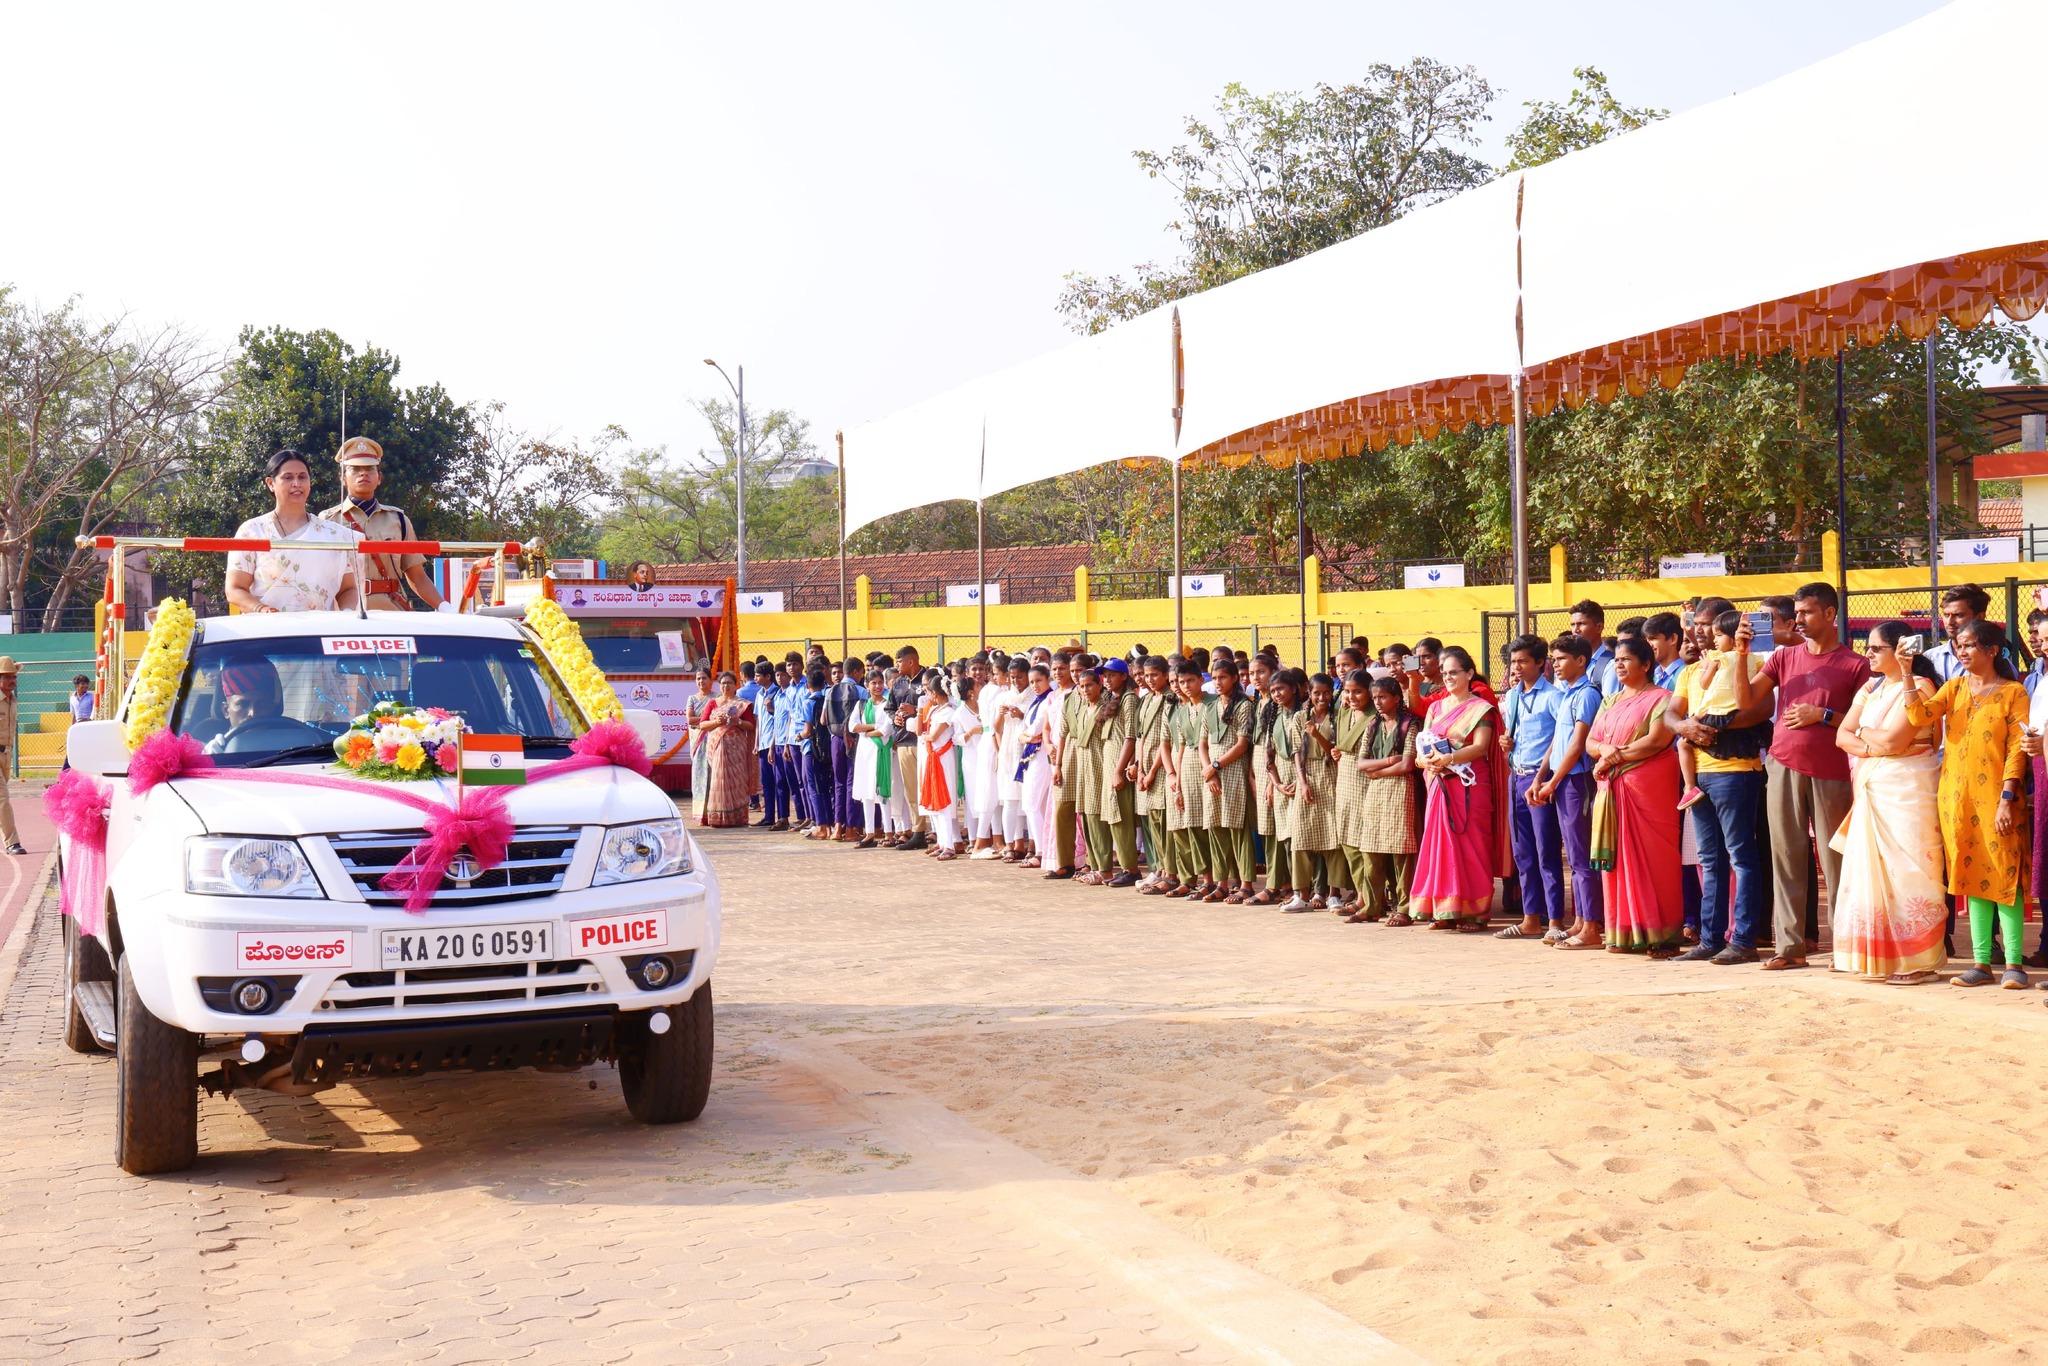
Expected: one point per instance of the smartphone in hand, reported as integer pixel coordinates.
(1761, 626)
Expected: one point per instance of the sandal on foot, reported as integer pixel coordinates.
(1513, 932)
(1399, 920)
(1912, 979)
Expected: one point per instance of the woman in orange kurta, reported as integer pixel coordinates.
(1982, 798)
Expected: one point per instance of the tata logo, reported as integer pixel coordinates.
(973, 593)
(1980, 549)
(463, 870)
(1435, 574)
(1194, 585)
(757, 600)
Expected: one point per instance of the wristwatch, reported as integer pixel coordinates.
(1827, 716)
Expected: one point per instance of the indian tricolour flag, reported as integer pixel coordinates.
(493, 760)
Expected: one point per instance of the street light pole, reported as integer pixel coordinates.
(739, 393)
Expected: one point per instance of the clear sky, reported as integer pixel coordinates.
(568, 206)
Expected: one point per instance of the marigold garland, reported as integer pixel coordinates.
(562, 641)
(160, 670)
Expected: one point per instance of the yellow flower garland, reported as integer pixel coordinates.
(562, 640)
(160, 670)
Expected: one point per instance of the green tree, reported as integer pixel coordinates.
(95, 416)
(1279, 176)
(682, 512)
(507, 484)
(1590, 114)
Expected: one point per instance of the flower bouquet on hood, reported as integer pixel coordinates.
(398, 742)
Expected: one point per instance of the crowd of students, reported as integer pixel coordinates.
(1680, 789)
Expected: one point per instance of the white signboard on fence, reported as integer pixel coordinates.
(1199, 586)
(762, 600)
(573, 569)
(965, 595)
(1696, 565)
(1985, 550)
(667, 696)
(1433, 576)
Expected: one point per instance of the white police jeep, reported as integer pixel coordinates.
(247, 935)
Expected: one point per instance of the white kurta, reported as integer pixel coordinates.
(867, 754)
(978, 757)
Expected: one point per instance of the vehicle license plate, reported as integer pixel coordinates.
(468, 945)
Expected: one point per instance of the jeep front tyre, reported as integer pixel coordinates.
(667, 1077)
(156, 1094)
(84, 961)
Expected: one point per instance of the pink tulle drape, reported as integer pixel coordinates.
(480, 822)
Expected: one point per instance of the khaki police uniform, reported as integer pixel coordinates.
(9, 837)
(385, 575)
(385, 589)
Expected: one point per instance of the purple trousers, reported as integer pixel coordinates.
(842, 781)
(789, 785)
(1574, 802)
(770, 787)
(1539, 851)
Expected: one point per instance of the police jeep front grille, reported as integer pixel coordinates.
(536, 863)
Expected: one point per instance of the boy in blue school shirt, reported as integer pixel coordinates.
(788, 757)
(1568, 785)
(1589, 623)
(1528, 722)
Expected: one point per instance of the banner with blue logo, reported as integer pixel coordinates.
(1981, 550)
(1433, 576)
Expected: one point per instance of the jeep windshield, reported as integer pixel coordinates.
(285, 699)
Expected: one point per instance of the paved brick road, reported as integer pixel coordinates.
(813, 1214)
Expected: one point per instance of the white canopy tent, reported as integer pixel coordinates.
(1823, 207)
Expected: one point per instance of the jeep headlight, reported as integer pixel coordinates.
(648, 849)
(230, 865)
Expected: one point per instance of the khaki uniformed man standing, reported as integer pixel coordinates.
(362, 470)
(8, 672)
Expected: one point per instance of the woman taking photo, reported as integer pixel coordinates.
(283, 580)
(1460, 851)
(729, 771)
(1982, 801)
(1635, 811)
(1891, 911)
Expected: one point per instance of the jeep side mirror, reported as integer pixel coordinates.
(97, 747)
(647, 725)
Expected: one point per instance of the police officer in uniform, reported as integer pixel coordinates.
(8, 673)
(362, 470)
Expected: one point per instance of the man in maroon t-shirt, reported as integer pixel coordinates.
(1807, 772)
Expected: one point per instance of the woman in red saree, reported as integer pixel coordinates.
(1635, 810)
(729, 772)
(1463, 818)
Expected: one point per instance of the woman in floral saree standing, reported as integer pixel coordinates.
(1460, 850)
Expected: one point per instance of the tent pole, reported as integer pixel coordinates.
(1301, 550)
(1841, 495)
(981, 539)
(1519, 477)
(1179, 630)
(842, 544)
(1933, 503)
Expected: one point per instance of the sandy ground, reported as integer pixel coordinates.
(1769, 1174)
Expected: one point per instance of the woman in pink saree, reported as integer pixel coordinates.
(1460, 850)
(1635, 810)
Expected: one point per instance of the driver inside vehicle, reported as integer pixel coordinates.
(249, 691)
